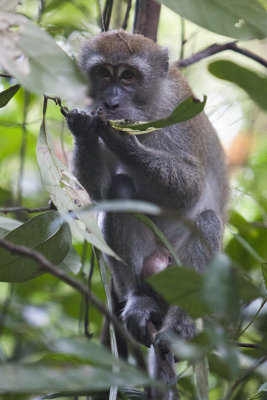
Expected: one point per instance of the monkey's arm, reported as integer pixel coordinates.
(179, 172)
(92, 167)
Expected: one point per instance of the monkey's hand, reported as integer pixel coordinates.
(117, 141)
(138, 312)
(81, 123)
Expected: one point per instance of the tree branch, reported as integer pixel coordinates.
(218, 48)
(125, 21)
(53, 270)
(107, 14)
(146, 18)
(2, 75)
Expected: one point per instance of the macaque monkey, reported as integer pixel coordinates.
(180, 167)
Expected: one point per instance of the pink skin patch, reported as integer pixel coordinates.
(156, 262)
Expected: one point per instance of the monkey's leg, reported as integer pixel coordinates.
(202, 243)
(132, 241)
(162, 367)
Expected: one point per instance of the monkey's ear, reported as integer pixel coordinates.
(164, 60)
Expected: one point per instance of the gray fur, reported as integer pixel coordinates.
(180, 167)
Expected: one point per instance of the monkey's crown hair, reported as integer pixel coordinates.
(119, 46)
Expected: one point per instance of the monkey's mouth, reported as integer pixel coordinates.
(124, 114)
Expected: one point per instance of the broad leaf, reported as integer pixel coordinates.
(8, 5)
(226, 365)
(220, 289)
(71, 262)
(32, 56)
(7, 224)
(60, 184)
(92, 352)
(182, 286)
(18, 378)
(7, 95)
(262, 393)
(46, 233)
(240, 19)
(186, 110)
(254, 84)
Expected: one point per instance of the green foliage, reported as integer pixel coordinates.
(43, 66)
(7, 95)
(43, 321)
(254, 84)
(75, 379)
(44, 233)
(240, 19)
(186, 110)
(54, 176)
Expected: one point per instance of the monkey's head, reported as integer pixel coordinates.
(125, 72)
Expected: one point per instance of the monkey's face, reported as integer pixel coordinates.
(115, 89)
(125, 73)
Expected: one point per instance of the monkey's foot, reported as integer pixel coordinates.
(139, 312)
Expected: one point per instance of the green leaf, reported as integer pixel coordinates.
(123, 394)
(224, 365)
(264, 271)
(220, 288)
(17, 378)
(262, 393)
(186, 110)
(71, 262)
(248, 291)
(92, 352)
(7, 95)
(254, 84)
(33, 57)
(46, 233)
(60, 184)
(240, 19)
(7, 224)
(182, 286)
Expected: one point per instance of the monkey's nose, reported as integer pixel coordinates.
(111, 105)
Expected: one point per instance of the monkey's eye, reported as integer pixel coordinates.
(103, 72)
(127, 74)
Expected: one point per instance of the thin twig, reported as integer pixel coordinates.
(23, 147)
(107, 13)
(218, 48)
(101, 16)
(63, 109)
(254, 318)
(58, 273)
(89, 284)
(250, 346)
(5, 308)
(125, 21)
(29, 210)
(183, 40)
(244, 377)
(2, 75)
